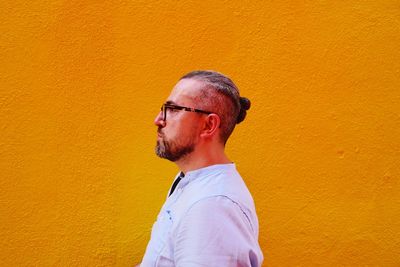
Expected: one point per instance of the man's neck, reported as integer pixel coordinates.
(197, 160)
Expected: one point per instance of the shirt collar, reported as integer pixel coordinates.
(206, 171)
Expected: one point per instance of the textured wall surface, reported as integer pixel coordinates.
(81, 82)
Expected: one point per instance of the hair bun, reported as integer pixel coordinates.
(244, 105)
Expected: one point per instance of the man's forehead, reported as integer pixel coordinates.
(185, 90)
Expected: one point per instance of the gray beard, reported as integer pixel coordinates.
(172, 151)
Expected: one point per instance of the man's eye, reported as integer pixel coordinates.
(172, 110)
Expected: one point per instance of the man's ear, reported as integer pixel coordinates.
(211, 125)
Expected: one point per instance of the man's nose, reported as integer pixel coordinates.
(158, 121)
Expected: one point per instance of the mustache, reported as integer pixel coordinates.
(160, 132)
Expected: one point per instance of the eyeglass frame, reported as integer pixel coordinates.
(165, 106)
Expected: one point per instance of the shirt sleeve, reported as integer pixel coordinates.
(216, 232)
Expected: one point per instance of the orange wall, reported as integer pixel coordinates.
(82, 81)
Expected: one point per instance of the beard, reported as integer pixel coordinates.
(174, 150)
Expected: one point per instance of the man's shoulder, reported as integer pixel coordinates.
(222, 191)
(227, 183)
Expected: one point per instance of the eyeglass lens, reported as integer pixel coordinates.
(163, 112)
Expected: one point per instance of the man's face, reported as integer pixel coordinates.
(178, 135)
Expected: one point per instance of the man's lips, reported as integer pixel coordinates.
(159, 133)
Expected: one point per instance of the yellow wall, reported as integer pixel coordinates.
(81, 82)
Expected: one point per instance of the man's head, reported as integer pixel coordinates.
(219, 108)
(220, 95)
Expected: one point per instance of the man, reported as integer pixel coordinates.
(209, 218)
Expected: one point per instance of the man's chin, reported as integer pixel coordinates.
(165, 151)
(160, 151)
(162, 154)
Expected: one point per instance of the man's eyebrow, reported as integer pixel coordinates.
(170, 102)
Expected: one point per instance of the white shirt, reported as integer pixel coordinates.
(209, 220)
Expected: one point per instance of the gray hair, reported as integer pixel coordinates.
(220, 95)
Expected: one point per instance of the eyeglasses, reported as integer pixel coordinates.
(166, 106)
